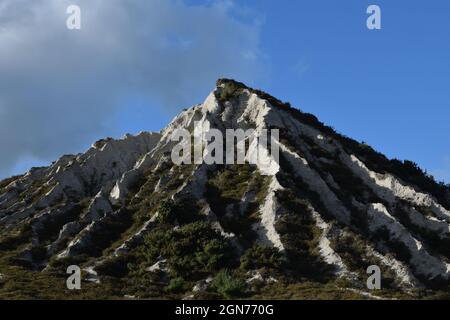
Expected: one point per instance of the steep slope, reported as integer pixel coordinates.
(328, 209)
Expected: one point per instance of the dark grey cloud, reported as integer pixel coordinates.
(60, 88)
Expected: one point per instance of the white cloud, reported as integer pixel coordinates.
(59, 88)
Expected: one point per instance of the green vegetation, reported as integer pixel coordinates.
(146, 202)
(182, 211)
(306, 290)
(315, 149)
(231, 182)
(228, 285)
(412, 173)
(230, 90)
(399, 249)
(116, 266)
(23, 284)
(177, 285)
(300, 237)
(261, 257)
(15, 238)
(353, 250)
(225, 190)
(106, 232)
(51, 226)
(192, 251)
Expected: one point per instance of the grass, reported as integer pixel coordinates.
(19, 283)
(305, 291)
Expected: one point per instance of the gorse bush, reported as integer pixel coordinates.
(176, 285)
(116, 266)
(167, 212)
(191, 251)
(261, 257)
(227, 285)
(230, 89)
(225, 190)
(181, 211)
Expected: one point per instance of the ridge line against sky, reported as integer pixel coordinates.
(135, 64)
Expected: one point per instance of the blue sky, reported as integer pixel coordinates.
(388, 87)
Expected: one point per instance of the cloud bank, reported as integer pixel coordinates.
(60, 88)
